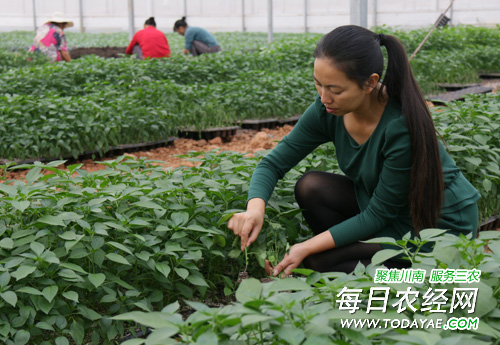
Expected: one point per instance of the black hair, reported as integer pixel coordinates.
(150, 21)
(356, 51)
(179, 23)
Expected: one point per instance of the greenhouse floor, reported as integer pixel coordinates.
(245, 140)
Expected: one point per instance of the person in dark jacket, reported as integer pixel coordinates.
(397, 177)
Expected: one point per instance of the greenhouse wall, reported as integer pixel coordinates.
(244, 15)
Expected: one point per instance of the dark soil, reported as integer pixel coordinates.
(105, 52)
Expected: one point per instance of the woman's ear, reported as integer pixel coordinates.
(372, 82)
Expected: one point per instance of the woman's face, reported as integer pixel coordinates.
(181, 30)
(339, 94)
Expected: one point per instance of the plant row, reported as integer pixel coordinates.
(106, 99)
(314, 309)
(79, 247)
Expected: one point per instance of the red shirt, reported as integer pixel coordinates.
(153, 43)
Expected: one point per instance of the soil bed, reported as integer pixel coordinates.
(105, 52)
(245, 140)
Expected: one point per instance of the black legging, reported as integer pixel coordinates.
(329, 199)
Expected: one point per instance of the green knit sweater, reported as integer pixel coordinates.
(380, 169)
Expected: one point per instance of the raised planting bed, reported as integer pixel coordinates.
(492, 223)
(455, 87)
(290, 120)
(492, 75)
(112, 151)
(225, 133)
(105, 52)
(458, 95)
(260, 124)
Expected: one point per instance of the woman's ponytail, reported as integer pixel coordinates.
(426, 182)
(356, 52)
(150, 21)
(179, 23)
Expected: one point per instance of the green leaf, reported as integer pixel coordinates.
(62, 341)
(487, 185)
(89, 313)
(97, 279)
(118, 258)
(234, 253)
(134, 342)
(228, 214)
(9, 297)
(69, 235)
(180, 218)
(181, 272)
(50, 292)
(207, 338)
(8, 189)
(171, 308)
(476, 161)
(44, 305)
(20, 205)
(290, 334)
(77, 332)
(249, 290)
(30, 290)
(493, 167)
(220, 240)
(6, 243)
(385, 254)
(386, 240)
(357, 337)
(121, 247)
(73, 267)
(196, 280)
(51, 220)
(428, 234)
(163, 268)
(71, 295)
(23, 271)
(148, 204)
(150, 319)
(70, 275)
(22, 337)
(37, 248)
(4, 279)
(45, 326)
(252, 319)
(162, 336)
(289, 284)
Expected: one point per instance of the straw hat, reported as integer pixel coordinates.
(59, 17)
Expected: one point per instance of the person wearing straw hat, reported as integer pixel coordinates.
(51, 40)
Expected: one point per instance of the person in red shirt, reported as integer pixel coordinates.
(149, 42)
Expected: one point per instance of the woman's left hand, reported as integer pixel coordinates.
(297, 253)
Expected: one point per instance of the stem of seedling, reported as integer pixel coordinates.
(246, 260)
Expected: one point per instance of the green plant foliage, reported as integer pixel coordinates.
(471, 134)
(142, 101)
(307, 310)
(78, 247)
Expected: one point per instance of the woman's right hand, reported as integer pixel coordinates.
(248, 224)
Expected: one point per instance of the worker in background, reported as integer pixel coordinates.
(51, 40)
(198, 40)
(149, 42)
